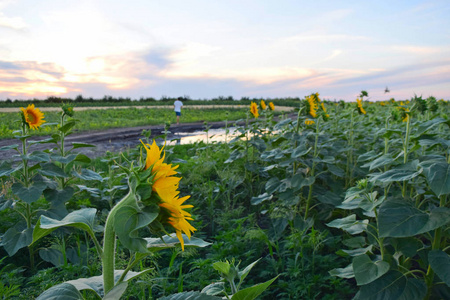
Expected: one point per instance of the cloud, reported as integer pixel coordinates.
(15, 23)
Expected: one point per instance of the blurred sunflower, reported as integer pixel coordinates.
(311, 105)
(309, 122)
(404, 111)
(271, 106)
(359, 106)
(32, 116)
(254, 109)
(166, 187)
(263, 105)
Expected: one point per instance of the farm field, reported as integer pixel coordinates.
(344, 201)
(99, 118)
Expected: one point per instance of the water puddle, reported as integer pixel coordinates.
(213, 136)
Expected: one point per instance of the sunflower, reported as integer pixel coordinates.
(309, 122)
(359, 106)
(254, 109)
(271, 106)
(178, 217)
(263, 105)
(404, 113)
(166, 187)
(33, 117)
(311, 105)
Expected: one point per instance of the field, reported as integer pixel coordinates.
(345, 201)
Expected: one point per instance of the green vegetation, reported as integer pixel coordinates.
(347, 201)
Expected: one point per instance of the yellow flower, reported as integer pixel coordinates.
(179, 217)
(309, 122)
(33, 116)
(263, 105)
(323, 107)
(166, 185)
(360, 108)
(404, 112)
(271, 106)
(312, 106)
(254, 110)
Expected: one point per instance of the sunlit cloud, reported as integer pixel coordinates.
(15, 23)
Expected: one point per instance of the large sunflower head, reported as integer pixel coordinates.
(254, 109)
(32, 116)
(165, 185)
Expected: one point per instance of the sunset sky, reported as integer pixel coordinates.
(207, 48)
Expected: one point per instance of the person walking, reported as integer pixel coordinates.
(177, 108)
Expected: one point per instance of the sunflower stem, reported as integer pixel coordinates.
(109, 243)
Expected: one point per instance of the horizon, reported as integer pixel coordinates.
(237, 48)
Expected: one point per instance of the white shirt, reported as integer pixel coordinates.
(178, 104)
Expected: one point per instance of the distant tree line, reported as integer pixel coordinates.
(107, 100)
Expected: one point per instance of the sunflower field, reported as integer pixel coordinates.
(343, 200)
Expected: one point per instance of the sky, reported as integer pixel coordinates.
(210, 48)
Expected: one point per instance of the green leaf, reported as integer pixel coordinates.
(9, 147)
(69, 125)
(381, 161)
(88, 175)
(273, 185)
(367, 271)
(242, 274)
(393, 286)
(261, 198)
(298, 181)
(63, 291)
(53, 256)
(60, 196)
(300, 151)
(157, 244)
(399, 218)
(116, 292)
(355, 252)
(190, 296)
(252, 292)
(424, 127)
(39, 156)
(214, 289)
(440, 263)
(4, 204)
(355, 242)
(95, 283)
(395, 175)
(6, 169)
(438, 177)
(223, 267)
(82, 219)
(63, 159)
(82, 158)
(335, 170)
(346, 272)
(50, 169)
(350, 224)
(13, 240)
(29, 194)
(127, 222)
(81, 145)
